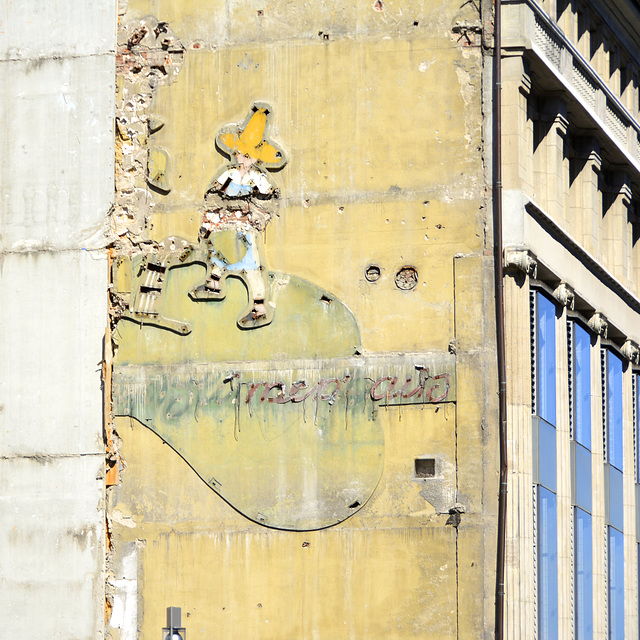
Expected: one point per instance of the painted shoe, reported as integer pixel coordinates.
(209, 290)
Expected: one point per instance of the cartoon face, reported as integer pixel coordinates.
(245, 161)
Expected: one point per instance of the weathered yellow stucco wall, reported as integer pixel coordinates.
(378, 108)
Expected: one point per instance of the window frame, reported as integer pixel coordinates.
(544, 391)
(580, 351)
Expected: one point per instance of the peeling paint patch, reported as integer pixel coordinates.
(440, 489)
(124, 614)
(121, 518)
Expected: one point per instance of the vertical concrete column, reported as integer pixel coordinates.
(598, 324)
(615, 237)
(565, 296)
(57, 75)
(588, 200)
(517, 127)
(519, 573)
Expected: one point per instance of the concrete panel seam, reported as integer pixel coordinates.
(45, 457)
(19, 252)
(60, 56)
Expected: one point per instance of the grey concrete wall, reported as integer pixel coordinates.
(57, 63)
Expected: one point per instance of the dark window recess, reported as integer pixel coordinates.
(425, 467)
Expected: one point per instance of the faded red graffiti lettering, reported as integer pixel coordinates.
(388, 392)
(267, 390)
(419, 389)
(430, 388)
(329, 396)
(252, 389)
(444, 394)
(312, 390)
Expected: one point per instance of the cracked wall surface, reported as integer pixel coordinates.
(380, 229)
(279, 215)
(57, 77)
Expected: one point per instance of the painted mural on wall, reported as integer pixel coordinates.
(238, 206)
(256, 378)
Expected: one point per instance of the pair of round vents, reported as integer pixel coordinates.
(406, 277)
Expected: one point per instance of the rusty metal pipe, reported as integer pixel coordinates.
(500, 338)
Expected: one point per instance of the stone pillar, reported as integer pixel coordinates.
(551, 8)
(627, 92)
(615, 233)
(613, 70)
(551, 178)
(584, 35)
(568, 19)
(565, 296)
(634, 224)
(598, 54)
(631, 354)
(517, 126)
(585, 194)
(598, 324)
(519, 573)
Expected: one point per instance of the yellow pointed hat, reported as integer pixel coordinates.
(249, 139)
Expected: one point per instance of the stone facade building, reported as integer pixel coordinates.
(570, 163)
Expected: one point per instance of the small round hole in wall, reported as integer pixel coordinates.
(372, 273)
(406, 278)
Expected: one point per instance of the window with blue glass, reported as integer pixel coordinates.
(583, 578)
(547, 565)
(612, 391)
(613, 444)
(615, 578)
(545, 358)
(612, 396)
(543, 334)
(579, 342)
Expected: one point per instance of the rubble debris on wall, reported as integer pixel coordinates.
(149, 55)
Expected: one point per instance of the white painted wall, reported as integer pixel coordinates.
(57, 70)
